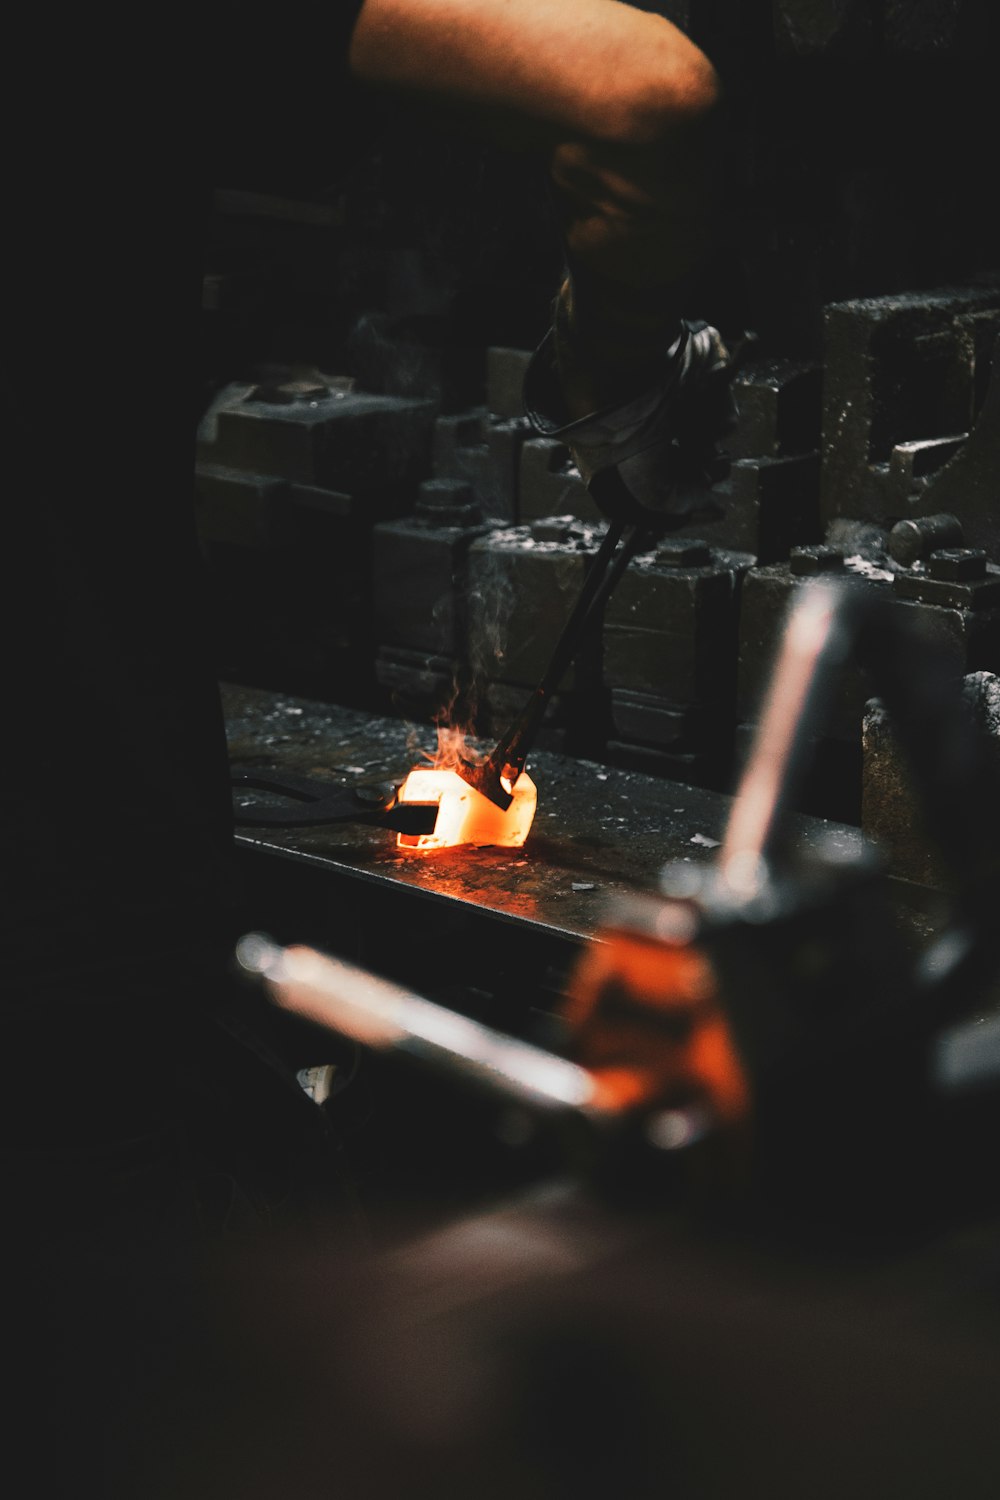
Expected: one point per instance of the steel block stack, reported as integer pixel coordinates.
(670, 660)
(907, 422)
(522, 584)
(420, 601)
(770, 501)
(292, 475)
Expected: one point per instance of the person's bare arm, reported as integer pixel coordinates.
(623, 104)
(590, 68)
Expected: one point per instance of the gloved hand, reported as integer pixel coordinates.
(653, 458)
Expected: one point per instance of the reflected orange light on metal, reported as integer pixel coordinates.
(465, 816)
(648, 1023)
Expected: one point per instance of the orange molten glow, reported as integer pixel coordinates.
(649, 1024)
(465, 816)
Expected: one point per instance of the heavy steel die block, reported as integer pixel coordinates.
(550, 483)
(420, 685)
(670, 660)
(704, 768)
(956, 595)
(969, 483)
(901, 372)
(766, 506)
(693, 744)
(454, 435)
(499, 493)
(483, 452)
(891, 812)
(522, 584)
(670, 626)
(329, 437)
(780, 409)
(769, 502)
(505, 371)
(417, 569)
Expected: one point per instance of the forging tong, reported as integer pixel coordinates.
(495, 776)
(317, 802)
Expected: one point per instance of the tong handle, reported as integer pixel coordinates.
(511, 752)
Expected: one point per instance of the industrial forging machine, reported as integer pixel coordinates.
(764, 1024)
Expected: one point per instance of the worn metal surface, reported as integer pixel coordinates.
(599, 831)
(901, 369)
(968, 482)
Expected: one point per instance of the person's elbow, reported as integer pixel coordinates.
(655, 105)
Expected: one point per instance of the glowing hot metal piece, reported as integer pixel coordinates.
(465, 816)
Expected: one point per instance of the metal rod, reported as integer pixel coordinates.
(507, 758)
(379, 1014)
(815, 641)
(915, 675)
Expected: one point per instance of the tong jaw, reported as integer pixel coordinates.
(484, 776)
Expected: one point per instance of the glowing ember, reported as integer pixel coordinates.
(465, 816)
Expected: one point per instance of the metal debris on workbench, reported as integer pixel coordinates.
(599, 831)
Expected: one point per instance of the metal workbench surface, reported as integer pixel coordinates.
(599, 831)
